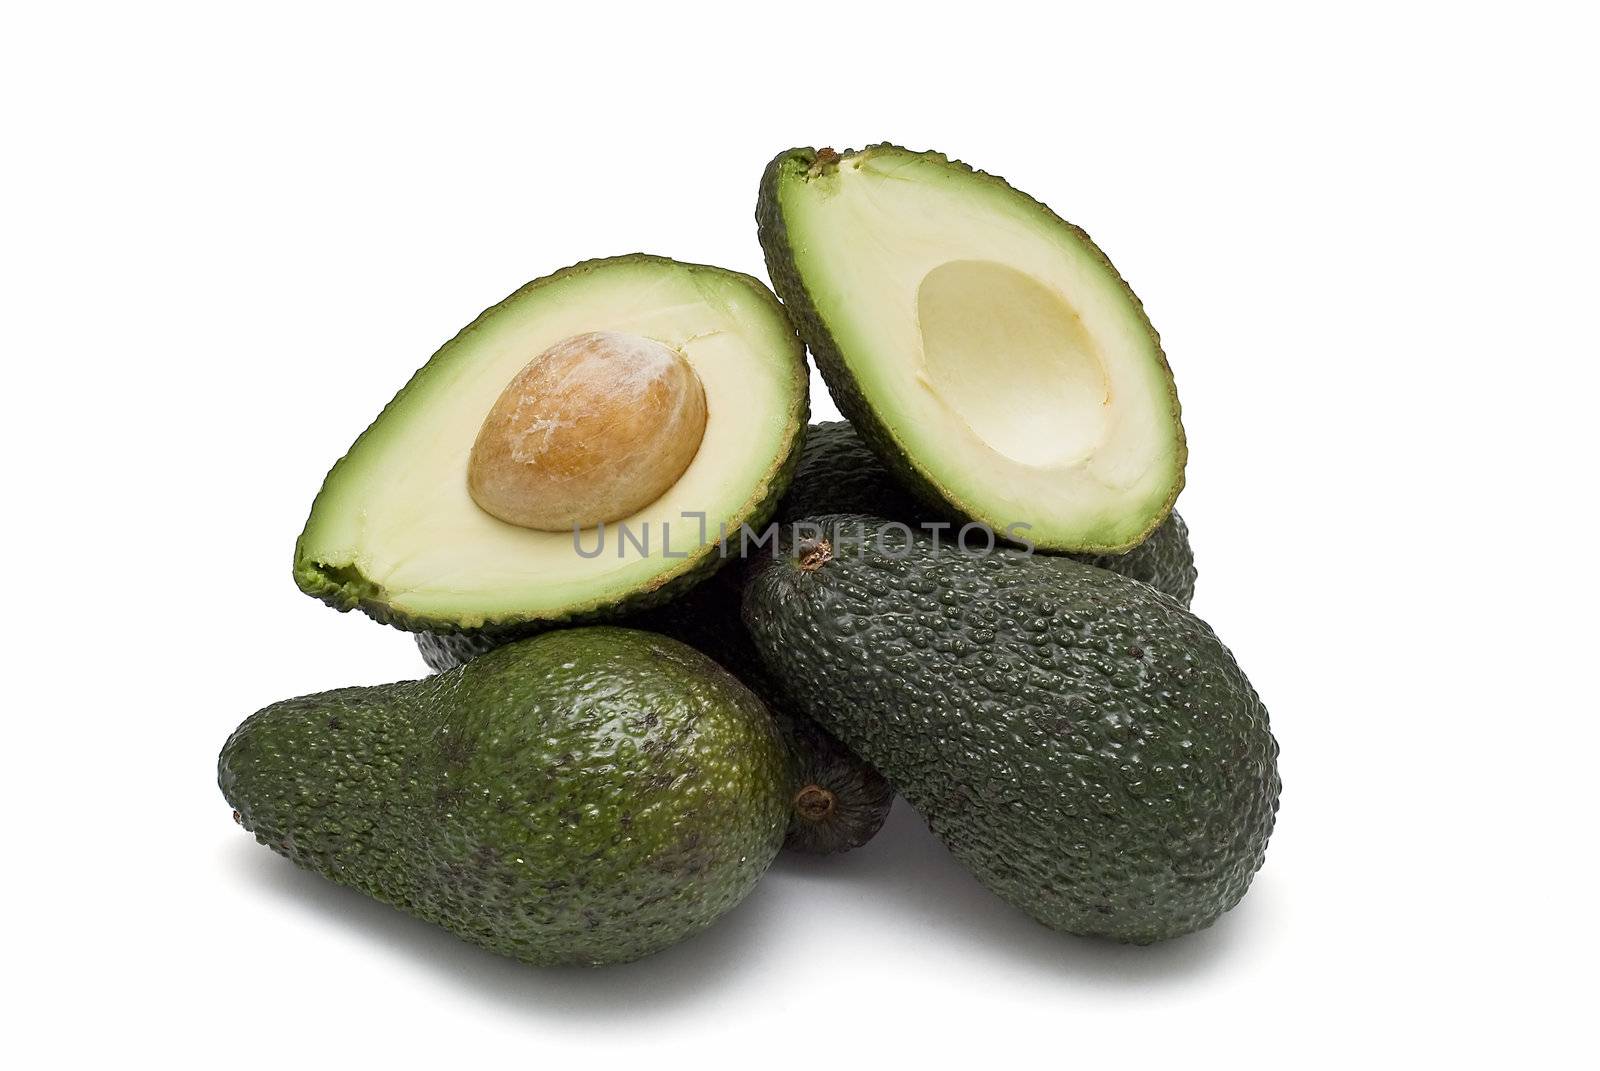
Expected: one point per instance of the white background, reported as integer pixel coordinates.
(1368, 237)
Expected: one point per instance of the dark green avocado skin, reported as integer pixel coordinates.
(838, 473)
(707, 619)
(1165, 561)
(1081, 742)
(587, 796)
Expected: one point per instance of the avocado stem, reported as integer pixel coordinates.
(814, 803)
(814, 554)
(825, 160)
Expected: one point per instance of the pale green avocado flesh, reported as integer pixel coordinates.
(394, 531)
(984, 347)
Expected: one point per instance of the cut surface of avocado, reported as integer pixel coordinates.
(396, 532)
(985, 348)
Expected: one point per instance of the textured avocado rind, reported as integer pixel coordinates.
(588, 796)
(808, 164)
(1165, 560)
(839, 474)
(708, 619)
(1082, 743)
(343, 586)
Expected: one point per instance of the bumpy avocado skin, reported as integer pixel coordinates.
(345, 588)
(859, 797)
(450, 650)
(708, 619)
(587, 796)
(772, 231)
(1082, 743)
(839, 474)
(1165, 561)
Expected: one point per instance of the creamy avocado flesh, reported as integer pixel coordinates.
(983, 346)
(396, 532)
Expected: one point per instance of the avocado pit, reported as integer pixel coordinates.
(590, 431)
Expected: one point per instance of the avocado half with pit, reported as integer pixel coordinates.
(984, 348)
(573, 454)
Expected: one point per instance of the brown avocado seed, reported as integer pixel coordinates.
(592, 430)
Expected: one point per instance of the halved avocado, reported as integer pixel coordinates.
(397, 533)
(984, 348)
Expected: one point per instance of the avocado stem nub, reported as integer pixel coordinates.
(814, 803)
(825, 160)
(814, 554)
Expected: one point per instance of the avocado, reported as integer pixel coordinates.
(838, 474)
(502, 485)
(585, 796)
(1165, 561)
(1082, 743)
(984, 348)
(836, 801)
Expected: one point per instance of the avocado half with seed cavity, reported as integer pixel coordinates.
(553, 461)
(985, 348)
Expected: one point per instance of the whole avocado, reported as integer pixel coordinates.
(838, 473)
(586, 796)
(1082, 743)
(837, 801)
